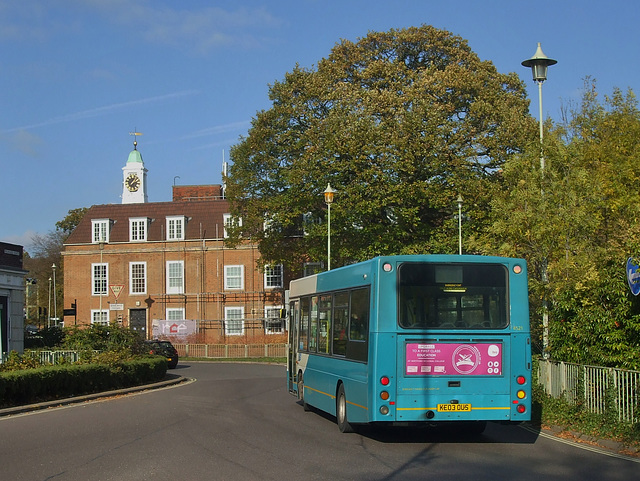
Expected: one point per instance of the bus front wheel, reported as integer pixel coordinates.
(341, 411)
(305, 406)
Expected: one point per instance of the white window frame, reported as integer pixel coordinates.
(100, 317)
(175, 314)
(176, 226)
(231, 277)
(138, 227)
(228, 220)
(100, 231)
(268, 314)
(234, 320)
(131, 278)
(94, 279)
(273, 280)
(175, 284)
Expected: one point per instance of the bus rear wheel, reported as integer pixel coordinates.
(305, 406)
(341, 411)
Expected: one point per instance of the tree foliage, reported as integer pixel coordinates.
(579, 219)
(71, 221)
(399, 123)
(47, 251)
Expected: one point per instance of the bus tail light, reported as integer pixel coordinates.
(521, 380)
(521, 394)
(384, 380)
(521, 408)
(384, 395)
(384, 409)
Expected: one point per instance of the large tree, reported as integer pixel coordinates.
(400, 123)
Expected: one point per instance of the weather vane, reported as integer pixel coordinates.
(135, 142)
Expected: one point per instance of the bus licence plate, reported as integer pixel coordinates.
(453, 407)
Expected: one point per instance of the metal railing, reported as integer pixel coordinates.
(54, 357)
(231, 351)
(598, 389)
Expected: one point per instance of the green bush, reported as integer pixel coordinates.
(46, 383)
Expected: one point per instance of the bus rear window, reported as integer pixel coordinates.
(452, 296)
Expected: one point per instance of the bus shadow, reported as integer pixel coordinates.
(493, 434)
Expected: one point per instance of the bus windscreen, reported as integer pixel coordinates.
(452, 296)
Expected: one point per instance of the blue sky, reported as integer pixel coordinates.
(77, 76)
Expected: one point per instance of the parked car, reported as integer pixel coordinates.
(164, 348)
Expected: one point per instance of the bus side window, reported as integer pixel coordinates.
(340, 323)
(324, 323)
(304, 324)
(313, 331)
(358, 325)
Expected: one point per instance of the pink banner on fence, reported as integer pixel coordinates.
(438, 359)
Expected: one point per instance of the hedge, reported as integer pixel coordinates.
(56, 382)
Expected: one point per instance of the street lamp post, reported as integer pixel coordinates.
(539, 64)
(55, 298)
(459, 224)
(328, 198)
(49, 309)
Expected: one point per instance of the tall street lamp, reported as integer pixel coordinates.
(49, 311)
(55, 297)
(328, 198)
(459, 224)
(539, 64)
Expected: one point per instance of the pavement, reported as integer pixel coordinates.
(602, 445)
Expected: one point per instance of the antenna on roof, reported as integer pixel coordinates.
(135, 142)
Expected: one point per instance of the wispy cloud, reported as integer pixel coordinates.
(198, 30)
(100, 111)
(218, 129)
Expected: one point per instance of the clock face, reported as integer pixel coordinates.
(132, 182)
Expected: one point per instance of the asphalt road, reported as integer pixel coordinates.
(237, 422)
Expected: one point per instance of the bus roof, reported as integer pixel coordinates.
(309, 284)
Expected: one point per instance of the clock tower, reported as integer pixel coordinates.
(134, 175)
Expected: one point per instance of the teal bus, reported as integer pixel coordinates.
(413, 339)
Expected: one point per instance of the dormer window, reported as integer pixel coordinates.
(229, 221)
(175, 227)
(100, 230)
(138, 229)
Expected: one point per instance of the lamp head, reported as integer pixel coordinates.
(539, 64)
(328, 194)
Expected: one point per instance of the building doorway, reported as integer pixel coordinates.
(138, 321)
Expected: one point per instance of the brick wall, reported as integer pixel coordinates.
(194, 192)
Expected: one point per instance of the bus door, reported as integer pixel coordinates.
(292, 347)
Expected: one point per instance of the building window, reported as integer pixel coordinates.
(138, 229)
(273, 322)
(175, 227)
(311, 268)
(175, 313)
(234, 321)
(100, 229)
(175, 277)
(100, 318)
(229, 221)
(99, 279)
(273, 276)
(138, 277)
(234, 277)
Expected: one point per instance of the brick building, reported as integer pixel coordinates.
(163, 267)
